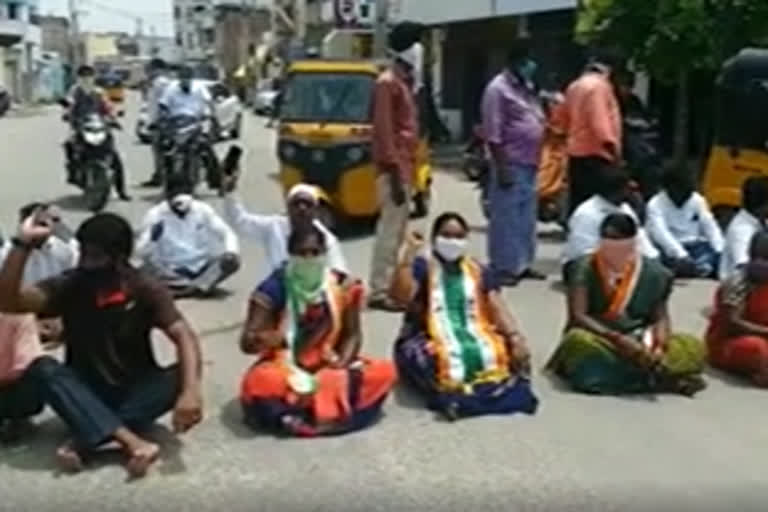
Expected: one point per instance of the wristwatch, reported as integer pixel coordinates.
(18, 243)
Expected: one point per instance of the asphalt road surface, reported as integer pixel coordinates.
(577, 453)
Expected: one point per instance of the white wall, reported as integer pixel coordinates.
(446, 11)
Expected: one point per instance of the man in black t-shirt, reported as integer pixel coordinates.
(108, 310)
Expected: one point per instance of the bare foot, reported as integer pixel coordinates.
(68, 458)
(141, 459)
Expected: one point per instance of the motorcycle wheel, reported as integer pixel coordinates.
(97, 187)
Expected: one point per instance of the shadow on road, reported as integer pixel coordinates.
(37, 452)
(70, 203)
(231, 417)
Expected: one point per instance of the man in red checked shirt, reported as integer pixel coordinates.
(395, 139)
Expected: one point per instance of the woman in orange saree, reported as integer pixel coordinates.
(738, 331)
(304, 327)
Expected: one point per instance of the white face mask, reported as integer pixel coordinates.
(451, 249)
(181, 203)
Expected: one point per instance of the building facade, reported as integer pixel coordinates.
(55, 30)
(477, 35)
(20, 48)
(195, 28)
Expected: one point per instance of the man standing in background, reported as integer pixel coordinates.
(513, 122)
(395, 139)
(159, 82)
(594, 127)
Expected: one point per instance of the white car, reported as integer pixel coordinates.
(229, 113)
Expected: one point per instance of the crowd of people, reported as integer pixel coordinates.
(101, 291)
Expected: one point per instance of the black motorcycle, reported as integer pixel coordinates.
(92, 156)
(181, 141)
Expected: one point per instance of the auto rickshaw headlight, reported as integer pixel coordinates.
(287, 151)
(355, 154)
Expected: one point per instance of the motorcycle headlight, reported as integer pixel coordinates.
(95, 138)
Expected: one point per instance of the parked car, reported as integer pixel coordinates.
(228, 112)
(266, 95)
(5, 101)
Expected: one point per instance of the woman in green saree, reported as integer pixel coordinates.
(619, 339)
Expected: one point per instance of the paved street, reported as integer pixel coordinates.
(577, 453)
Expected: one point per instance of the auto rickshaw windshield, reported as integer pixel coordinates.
(742, 113)
(321, 97)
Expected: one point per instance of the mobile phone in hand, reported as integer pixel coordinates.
(61, 231)
(232, 160)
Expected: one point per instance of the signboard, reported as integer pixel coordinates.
(354, 13)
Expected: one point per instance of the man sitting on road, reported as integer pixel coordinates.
(584, 225)
(112, 386)
(185, 243)
(749, 221)
(21, 336)
(189, 99)
(54, 255)
(682, 226)
(273, 231)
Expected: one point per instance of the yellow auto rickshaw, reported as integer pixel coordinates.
(114, 88)
(740, 147)
(325, 138)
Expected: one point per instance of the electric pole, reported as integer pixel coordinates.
(300, 21)
(381, 29)
(74, 41)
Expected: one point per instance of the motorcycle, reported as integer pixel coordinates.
(93, 158)
(180, 143)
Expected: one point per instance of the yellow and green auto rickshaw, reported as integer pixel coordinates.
(326, 134)
(114, 87)
(740, 147)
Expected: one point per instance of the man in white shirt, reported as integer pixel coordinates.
(750, 219)
(159, 83)
(185, 243)
(272, 231)
(682, 226)
(186, 98)
(584, 224)
(22, 336)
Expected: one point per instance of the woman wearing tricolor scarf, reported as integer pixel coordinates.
(619, 338)
(459, 345)
(304, 327)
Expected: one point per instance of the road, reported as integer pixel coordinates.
(576, 453)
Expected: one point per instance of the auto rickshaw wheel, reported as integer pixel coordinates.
(724, 214)
(422, 202)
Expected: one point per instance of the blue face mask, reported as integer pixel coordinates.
(528, 69)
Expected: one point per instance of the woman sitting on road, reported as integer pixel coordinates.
(304, 326)
(619, 338)
(459, 345)
(738, 331)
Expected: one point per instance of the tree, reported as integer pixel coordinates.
(673, 38)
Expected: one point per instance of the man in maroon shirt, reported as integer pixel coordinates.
(395, 139)
(112, 389)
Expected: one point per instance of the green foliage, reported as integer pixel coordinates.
(669, 36)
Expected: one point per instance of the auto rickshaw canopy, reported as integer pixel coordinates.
(742, 101)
